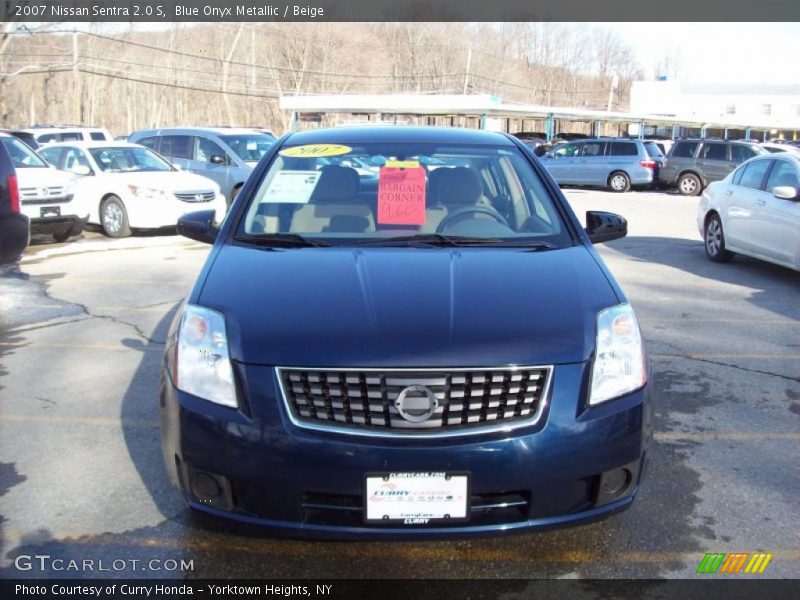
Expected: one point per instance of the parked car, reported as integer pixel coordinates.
(223, 154)
(127, 186)
(664, 145)
(692, 164)
(608, 162)
(773, 147)
(754, 211)
(14, 226)
(449, 338)
(47, 195)
(24, 136)
(67, 133)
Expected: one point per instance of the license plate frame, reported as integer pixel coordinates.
(413, 512)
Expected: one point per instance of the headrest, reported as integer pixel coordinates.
(434, 184)
(461, 185)
(336, 184)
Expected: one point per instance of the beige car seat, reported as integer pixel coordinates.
(333, 206)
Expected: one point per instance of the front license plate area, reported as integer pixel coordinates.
(423, 498)
(50, 211)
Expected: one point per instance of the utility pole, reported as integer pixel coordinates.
(466, 70)
(76, 78)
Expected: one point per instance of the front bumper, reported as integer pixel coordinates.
(310, 483)
(72, 223)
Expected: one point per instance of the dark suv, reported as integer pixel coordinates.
(14, 228)
(694, 163)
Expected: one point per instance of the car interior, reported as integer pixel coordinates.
(482, 196)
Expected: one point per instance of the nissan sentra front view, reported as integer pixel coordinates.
(404, 332)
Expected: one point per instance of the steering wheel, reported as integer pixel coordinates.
(465, 213)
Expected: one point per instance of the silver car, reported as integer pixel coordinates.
(755, 211)
(226, 155)
(617, 164)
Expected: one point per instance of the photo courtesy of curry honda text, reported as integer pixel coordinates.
(434, 351)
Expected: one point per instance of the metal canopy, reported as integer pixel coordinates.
(484, 105)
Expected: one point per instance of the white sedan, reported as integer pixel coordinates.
(754, 211)
(127, 186)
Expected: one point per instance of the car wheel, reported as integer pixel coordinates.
(619, 182)
(689, 184)
(715, 240)
(114, 218)
(62, 236)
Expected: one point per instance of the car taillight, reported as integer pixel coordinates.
(648, 164)
(13, 193)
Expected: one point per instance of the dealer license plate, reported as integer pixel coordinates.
(416, 498)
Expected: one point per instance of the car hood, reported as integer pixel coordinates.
(407, 307)
(42, 177)
(169, 181)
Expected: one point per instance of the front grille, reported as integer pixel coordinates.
(47, 201)
(369, 402)
(43, 193)
(484, 509)
(201, 196)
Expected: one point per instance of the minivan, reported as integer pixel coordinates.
(424, 353)
(226, 155)
(617, 164)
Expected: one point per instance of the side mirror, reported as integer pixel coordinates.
(785, 192)
(199, 226)
(216, 159)
(605, 226)
(81, 170)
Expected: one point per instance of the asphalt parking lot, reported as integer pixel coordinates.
(81, 476)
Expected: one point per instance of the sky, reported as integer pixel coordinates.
(698, 52)
(718, 52)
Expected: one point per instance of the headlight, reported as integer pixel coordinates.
(203, 367)
(147, 193)
(619, 357)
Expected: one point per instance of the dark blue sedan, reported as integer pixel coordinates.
(435, 349)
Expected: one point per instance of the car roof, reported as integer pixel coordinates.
(214, 130)
(411, 134)
(94, 144)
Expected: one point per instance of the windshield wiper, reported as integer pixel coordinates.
(280, 240)
(427, 239)
(439, 239)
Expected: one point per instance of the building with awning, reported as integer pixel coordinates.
(491, 112)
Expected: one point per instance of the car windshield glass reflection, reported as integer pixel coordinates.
(384, 191)
(127, 160)
(22, 156)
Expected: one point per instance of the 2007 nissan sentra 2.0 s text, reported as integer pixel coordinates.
(405, 332)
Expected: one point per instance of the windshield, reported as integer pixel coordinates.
(128, 160)
(21, 155)
(249, 147)
(384, 192)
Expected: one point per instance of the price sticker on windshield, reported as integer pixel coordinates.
(316, 151)
(401, 196)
